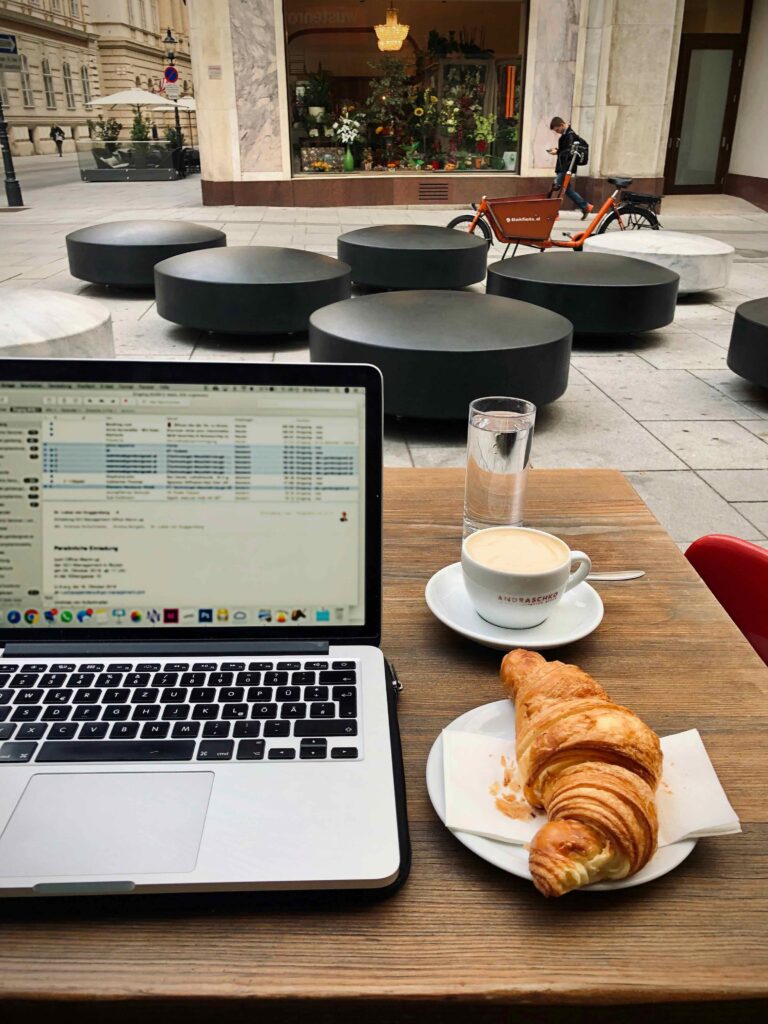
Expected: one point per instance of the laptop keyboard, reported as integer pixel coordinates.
(265, 710)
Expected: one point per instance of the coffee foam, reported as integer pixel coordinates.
(516, 550)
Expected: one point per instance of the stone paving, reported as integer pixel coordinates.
(663, 407)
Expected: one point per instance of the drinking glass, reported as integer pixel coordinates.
(498, 453)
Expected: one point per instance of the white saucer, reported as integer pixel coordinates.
(498, 719)
(579, 613)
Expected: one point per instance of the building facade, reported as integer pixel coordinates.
(76, 50)
(667, 92)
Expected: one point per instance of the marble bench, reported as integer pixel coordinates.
(248, 289)
(702, 263)
(37, 323)
(598, 292)
(437, 350)
(748, 350)
(123, 253)
(413, 256)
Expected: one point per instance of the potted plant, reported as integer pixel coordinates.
(139, 133)
(485, 136)
(317, 94)
(347, 130)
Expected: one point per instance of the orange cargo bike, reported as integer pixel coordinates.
(529, 220)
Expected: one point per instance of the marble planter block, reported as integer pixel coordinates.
(702, 263)
(35, 323)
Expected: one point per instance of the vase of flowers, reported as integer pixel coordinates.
(347, 130)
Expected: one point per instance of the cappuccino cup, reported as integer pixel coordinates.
(516, 576)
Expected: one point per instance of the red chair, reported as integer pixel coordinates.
(737, 574)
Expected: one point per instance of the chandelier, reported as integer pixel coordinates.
(392, 35)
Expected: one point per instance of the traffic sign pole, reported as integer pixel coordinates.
(12, 186)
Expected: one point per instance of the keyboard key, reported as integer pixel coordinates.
(148, 696)
(259, 693)
(290, 666)
(176, 666)
(221, 678)
(316, 693)
(204, 666)
(145, 712)
(58, 697)
(5, 696)
(250, 750)
(173, 695)
(288, 693)
(314, 741)
(343, 664)
(264, 711)
(52, 679)
(154, 730)
(110, 679)
(148, 666)
(86, 697)
(184, 730)
(93, 730)
(233, 711)
(35, 668)
(14, 753)
(137, 679)
(261, 666)
(275, 678)
(6, 667)
(316, 665)
(233, 666)
(7, 730)
(334, 728)
(62, 731)
(81, 679)
(165, 679)
(203, 695)
(303, 679)
(322, 710)
(4, 712)
(124, 731)
(115, 696)
(216, 730)
(247, 729)
(338, 677)
(313, 753)
(115, 713)
(23, 679)
(4, 677)
(28, 697)
(61, 667)
(205, 711)
(343, 753)
(57, 713)
(281, 754)
(26, 713)
(86, 713)
(347, 700)
(175, 712)
(115, 750)
(248, 678)
(121, 666)
(193, 679)
(231, 694)
(281, 729)
(91, 666)
(293, 711)
(215, 750)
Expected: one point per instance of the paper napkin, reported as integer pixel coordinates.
(483, 795)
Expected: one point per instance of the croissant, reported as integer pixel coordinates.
(592, 765)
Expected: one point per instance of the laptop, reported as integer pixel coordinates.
(192, 692)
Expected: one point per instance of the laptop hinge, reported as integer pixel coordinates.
(14, 650)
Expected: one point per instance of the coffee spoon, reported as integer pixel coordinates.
(608, 577)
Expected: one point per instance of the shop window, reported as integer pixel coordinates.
(27, 96)
(69, 89)
(50, 96)
(438, 97)
(85, 81)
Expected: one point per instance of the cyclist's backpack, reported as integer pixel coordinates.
(583, 151)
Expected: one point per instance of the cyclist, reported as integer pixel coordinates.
(563, 153)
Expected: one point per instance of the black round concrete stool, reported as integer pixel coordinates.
(248, 289)
(438, 350)
(748, 350)
(599, 293)
(413, 256)
(124, 252)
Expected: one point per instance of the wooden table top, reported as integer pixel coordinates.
(461, 930)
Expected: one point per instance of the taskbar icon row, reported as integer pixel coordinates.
(99, 616)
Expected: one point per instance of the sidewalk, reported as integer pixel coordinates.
(663, 407)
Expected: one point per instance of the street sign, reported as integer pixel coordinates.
(10, 59)
(172, 90)
(171, 74)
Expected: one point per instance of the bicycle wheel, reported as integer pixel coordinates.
(633, 218)
(462, 224)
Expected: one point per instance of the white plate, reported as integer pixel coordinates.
(498, 719)
(578, 614)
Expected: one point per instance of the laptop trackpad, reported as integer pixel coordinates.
(116, 824)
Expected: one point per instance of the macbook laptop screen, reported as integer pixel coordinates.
(157, 505)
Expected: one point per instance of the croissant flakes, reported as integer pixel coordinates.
(592, 765)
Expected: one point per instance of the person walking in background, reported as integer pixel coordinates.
(563, 153)
(57, 134)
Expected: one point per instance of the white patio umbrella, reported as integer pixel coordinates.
(186, 103)
(133, 98)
